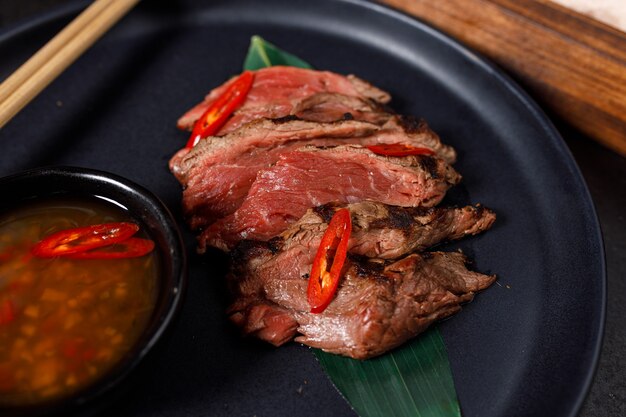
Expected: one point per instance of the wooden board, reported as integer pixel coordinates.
(573, 65)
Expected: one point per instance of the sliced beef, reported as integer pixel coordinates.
(262, 134)
(378, 306)
(265, 132)
(278, 91)
(383, 231)
(312, 176)
(299, 142)
(418, 133)
(330, 107)
(217, 173)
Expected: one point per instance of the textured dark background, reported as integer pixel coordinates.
(605, 174)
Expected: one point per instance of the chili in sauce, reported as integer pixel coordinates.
(65, 322)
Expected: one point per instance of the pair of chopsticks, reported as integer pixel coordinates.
(59, 53)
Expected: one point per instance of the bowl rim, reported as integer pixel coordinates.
(173, 281)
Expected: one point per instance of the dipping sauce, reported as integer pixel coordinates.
(64, 323)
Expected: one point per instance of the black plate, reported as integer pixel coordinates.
(528, 346)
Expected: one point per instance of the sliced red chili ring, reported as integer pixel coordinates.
(220, 110)
(329, 260)
(399, 149)
(81, 239)
(133, 247)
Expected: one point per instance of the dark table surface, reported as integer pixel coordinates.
(605, 174)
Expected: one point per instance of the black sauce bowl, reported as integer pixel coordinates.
(154, 218)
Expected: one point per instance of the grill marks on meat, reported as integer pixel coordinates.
(278, 91)
(330, 107)
(379, 304)
(384, 231)
(313, 176)
(378, 311)
(419, 133)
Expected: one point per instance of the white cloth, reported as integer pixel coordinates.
(611, 12)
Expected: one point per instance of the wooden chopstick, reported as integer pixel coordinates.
(49, 49)
(60, 52)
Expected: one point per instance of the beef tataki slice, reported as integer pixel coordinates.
(261, 133)
(378, 306)
(381, 306)
(384, 231)
(311, 176)
(329, 107)
(277, 92)
(418, 134)
(216, 174)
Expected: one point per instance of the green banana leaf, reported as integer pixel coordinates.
(413, 380)
(263, 54)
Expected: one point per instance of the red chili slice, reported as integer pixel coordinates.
(398, 149)
(333, 249)
(220, 110)
(133, 247)
(82, 239)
